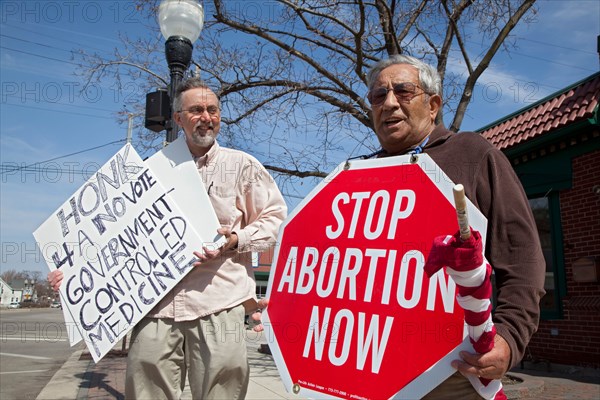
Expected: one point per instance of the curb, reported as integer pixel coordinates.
(64, 384)
(83, 390)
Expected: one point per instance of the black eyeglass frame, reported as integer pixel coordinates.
(400, 91)
(196, 111)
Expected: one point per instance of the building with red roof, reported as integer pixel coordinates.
(554, 146)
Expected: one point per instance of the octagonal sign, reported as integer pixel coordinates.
(351, 312)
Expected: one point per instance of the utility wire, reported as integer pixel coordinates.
(62, 40)
(10, 168)
(293, 196)
(37, 55)
(36, 43)
(65, 156)
(54, 102)
(58, 111)
(470, 42)
(553, 62)
(554, 45)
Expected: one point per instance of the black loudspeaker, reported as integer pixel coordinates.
(158, 110)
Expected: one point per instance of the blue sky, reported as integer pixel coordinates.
(44, 117)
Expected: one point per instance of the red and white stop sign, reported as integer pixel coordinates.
(351, 312)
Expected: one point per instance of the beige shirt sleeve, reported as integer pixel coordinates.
(264, 209)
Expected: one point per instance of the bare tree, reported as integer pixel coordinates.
(291, 73)
(10, 275)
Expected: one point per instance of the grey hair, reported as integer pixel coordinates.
(429, 79)
(188, 84)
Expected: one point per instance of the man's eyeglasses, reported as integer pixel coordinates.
(404, 92)
(196, 111)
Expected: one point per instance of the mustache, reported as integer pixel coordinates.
(209, 125)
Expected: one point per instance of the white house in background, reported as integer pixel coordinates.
(24, 289)
(7, 294)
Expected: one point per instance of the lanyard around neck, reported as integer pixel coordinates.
(419, 148)
(416, 150)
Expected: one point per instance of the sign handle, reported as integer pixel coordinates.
(460, 201)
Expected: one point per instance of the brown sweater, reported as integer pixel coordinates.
(512, 244)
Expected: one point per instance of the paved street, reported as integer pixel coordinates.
(33, 346)
(81, 378)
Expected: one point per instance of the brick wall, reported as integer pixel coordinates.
(575, 340)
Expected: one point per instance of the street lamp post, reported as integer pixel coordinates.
(180, 22)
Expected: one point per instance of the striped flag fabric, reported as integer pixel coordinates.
(463, 260)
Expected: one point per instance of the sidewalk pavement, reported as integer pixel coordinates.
(80, 378)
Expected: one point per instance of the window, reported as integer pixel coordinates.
(546, 212)
(261, 289)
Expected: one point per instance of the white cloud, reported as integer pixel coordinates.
(15, 147)
(565, 23)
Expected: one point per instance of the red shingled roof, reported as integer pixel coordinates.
(573, 104)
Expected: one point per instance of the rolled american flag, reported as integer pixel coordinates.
(462, 257)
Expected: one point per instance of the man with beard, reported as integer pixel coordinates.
(198, 328)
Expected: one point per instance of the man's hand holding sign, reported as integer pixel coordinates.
(208, 253)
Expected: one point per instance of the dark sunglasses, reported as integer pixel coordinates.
(404, 92)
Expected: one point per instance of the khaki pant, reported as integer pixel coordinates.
(211, 350)
(455, 387)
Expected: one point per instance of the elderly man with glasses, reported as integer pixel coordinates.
(405, 95)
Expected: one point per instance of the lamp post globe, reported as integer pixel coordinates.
(180, 22)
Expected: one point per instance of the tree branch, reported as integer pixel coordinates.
(103, 65)
(290, 49)
(485, 61)
(453, 31)
(411, 21)
(295, 172)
